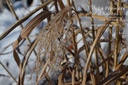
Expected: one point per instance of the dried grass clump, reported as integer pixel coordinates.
(71, 53)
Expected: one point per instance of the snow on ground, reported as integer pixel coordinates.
(6, 20)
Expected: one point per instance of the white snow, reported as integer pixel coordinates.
(6, 20)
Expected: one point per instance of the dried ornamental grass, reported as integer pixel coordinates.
(70, 52)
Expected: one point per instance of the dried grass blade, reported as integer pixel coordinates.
(60, 79)
(15, 44)
(93, 16)
(125, 5)
(49, 80)
(46, 9)
(62, 6)
(25, 60)
(73, 77)
(30, 26)
(16, 57)
(122, 60)
(69, 50)
(114, 76)
(8, 72)
(104, 56)
(99, 33)
(82, 31)
(69, 2)
(93, 78)
(33, 23)
(43, 70)
(20, 77)
(76, 83)
(17, 18)
(116, 48)
(23, 19)
(105, 60)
